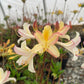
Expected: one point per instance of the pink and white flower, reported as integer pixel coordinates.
(25, 33)
(27, 55)
(4, 76)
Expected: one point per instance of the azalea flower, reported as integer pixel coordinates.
(4, 76)
(27, 55)
(46, 43)
(47, 39)
(25, 33)
(61, 30)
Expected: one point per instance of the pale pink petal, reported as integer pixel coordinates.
(24, 46)
(38, 48)
(71, 44)
(22, 60)
(25, 59)
(38, 36)
(3, 75)
(21, 39)
(76, 40)
(9, 79)
(31, 66)
(21, 51)
(6, 76)
(53, 51)
(53, 39)
(65, 36)
(25, 34)
(26, 28)
(63, 30)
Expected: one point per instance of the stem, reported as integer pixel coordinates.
(23, 11)
(64, 10)
(53, 81)
(4, 14)
(73, 17)
(3, 61)
(78, 14)
(49, 71)
(55, 5)
(60, 69)
(42, 68)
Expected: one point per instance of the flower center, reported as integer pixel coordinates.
(47, 32)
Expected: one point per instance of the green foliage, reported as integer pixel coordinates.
(41, 57)
(13, 24)
(6, 18)
(9, 34)
(14, 72)
(62, 51)
(19, 19)
(9, 6)
(2, 25)
(45, 20)
(56, 72)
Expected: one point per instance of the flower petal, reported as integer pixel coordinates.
(25, 59)
(1, 72)
(22, 60)
(21, 39)
(61, 24)
(73, 50)
(38, 36)
(23, 33)
(37, 48)
(82, 66)
(24, 46)
(65, 36)
(26, 28)
(5, 76)
(53, 51)
(53, 39)
(31, 67)
(2, 77)
(63, 30)
(21, 51)
(11, 78)
(71, 44)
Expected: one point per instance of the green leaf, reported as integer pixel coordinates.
(22, 78)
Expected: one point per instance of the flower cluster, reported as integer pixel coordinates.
(46, 43)
(6, 49)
